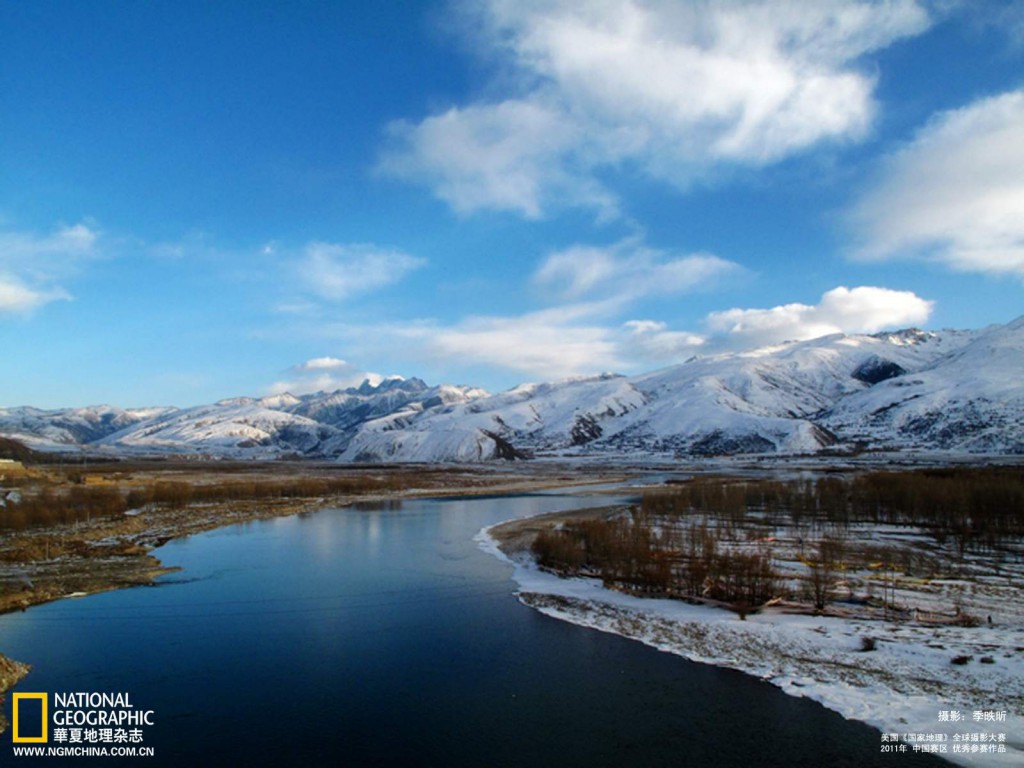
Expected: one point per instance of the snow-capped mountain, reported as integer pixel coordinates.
(526, 420)
(243, 426)
(971, 399)
(318, 425)
(70, 427)
(911, 389)
(769, 400)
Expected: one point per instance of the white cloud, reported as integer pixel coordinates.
(323, 374)
(579, 336)
(17, 298)
(323, 364)
(47, 254)
(584, 338)
(545, 344)
(864, 309)
(32, 264)
(627, 271)
(651, 340)
(1005, 17)
(503, 156)
(955, 194)
(669, 89)
(338, 272)
(550, 343)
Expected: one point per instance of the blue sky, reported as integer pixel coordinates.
(201, 200)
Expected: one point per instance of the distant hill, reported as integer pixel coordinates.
(947, 391)
(12, 449)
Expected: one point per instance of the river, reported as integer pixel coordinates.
(383, 636)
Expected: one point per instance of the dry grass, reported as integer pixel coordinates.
(927, 546)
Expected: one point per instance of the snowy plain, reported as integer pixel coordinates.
(907, 688)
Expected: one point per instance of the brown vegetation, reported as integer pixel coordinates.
(51, 503)
(711, 537)
(10, 673)
(976, 507)
(629, 553)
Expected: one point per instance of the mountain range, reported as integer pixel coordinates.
(948, 391)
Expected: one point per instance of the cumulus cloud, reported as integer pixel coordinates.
(337, 272)
(322, 374)
(864, 309)
(652, 341)
(15, 297)
(30, 248)
(502, 156)
(627, 271)
(33, 264)
(551, 343)
(585, 338)
(579, 336)
(322, 364)
(664, 88)
(544, 345)
(954, 194)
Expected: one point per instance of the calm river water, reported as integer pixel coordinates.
(385, 637)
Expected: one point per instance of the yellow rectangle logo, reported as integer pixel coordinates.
(30, 725)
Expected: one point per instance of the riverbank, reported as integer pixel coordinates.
(903, 680)
(10, 673)
(42, 564)
(46, 563)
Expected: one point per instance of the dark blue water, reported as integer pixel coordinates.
(385, 637)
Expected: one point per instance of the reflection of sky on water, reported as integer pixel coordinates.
(386, 637)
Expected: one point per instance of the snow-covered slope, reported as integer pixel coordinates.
(313, 425)
(912, 389)
(969, 400)
(70, 427)
(764, 401)
(319, 425)
(241, 426)
(770, 399)
(528, 419)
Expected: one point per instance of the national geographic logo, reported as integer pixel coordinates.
(94, 718)
(30, 718)
(79, 724)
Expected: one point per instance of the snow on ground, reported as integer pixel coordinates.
(907, 686)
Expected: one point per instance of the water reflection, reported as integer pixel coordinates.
(379, 505)
(384, 637)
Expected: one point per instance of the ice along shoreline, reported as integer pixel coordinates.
(906, 688)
